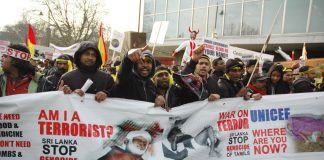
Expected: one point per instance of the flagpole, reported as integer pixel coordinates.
(265, 44)
(156, 38)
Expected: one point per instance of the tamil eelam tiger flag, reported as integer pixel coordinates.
(102, 47)
(31, 41)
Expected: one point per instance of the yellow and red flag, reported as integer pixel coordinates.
(293, 55)
(102, 47)
(31, 41)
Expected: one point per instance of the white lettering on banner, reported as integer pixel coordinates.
(54, 126)
(17, 54)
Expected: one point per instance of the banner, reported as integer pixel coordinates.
(246, 55)
(216, 48)
(64, 50)
(54, 126)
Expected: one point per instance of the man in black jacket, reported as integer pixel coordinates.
(88, 60)
(134, 76)
(304, 82)
(230, 84)
(62, 64)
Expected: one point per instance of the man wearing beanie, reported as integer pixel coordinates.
(304, 82)
(62, 65)
(88, 61)
(230, 84)
(19, 75)
(134, 76)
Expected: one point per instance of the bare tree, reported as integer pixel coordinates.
(73, 21)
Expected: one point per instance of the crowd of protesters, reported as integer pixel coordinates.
(139, 76)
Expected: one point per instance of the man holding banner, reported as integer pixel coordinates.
(88, 61)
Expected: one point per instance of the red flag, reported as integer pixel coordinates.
(102, 47)
(293, 55)
(31, 41)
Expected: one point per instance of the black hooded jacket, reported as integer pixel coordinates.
(130, 85)
(75, 79)
(303, 85)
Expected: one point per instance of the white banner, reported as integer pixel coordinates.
(246, 55)
(64, 50)
(54, 126)
(216, 48)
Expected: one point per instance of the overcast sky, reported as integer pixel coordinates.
(123, 14)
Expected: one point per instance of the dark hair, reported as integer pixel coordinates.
(24, 67)
(215, 61)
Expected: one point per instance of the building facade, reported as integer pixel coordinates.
(241, 23)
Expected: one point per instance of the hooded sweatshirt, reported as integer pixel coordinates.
(131, 85)
(75, 79)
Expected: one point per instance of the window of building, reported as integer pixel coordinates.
(160, 6)
(199, 21)
(232, 19)
(251, 18)
(172, 29)
(184, 23)
(317, 16)
(185, 4)
(148, 25)
(215, 20)
(296, 16)
(172, 5)
(270, 10)
(215, 2)
(159, 17)
(200, 3)
(148, 7)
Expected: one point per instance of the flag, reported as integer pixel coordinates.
(31, 41)
(102, 47)
(293, 55)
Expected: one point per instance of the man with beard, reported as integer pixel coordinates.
(62, 65)
(165, 89)
(230, 84)
(88, 60)
(135, 146)
(20, 76)
(134, 76)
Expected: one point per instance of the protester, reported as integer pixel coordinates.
(288, 79)
(275, 83)
(19, 75)
(257, 87)
(219, 67)
(62, 64)
(230, 84)
(249, 69)
(266, 66)
(88, 61)
(304, 82)
(200, 65)
(134, 77)
(163, 82)
(190, 46)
